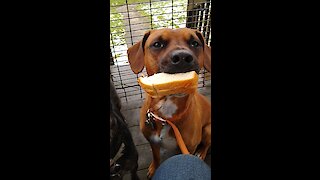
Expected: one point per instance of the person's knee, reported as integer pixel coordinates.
(183, 167)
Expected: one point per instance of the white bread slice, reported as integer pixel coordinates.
(162, 84)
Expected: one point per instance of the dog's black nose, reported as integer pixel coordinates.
(181, 57)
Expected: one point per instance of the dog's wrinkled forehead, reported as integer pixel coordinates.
(172, 35)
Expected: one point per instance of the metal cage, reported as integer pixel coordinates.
(130, 20)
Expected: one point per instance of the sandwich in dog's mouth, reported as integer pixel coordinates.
(163, 84)
(175, 70)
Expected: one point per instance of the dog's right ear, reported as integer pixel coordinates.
(136, 54)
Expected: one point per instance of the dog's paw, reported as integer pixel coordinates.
(151, 170)
(201, 154)
(197, 154)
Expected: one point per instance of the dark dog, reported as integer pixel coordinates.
(123, 153)
(174, 51)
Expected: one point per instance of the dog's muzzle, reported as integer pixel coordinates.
(180, 61)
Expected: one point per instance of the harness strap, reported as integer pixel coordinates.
(180, 141)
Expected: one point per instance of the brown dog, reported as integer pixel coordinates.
(174, 51)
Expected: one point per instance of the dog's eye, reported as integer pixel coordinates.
(158, 45)
(194, 44)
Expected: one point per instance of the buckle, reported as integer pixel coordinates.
(150, 120)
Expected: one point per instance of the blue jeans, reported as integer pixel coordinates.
(184, 167)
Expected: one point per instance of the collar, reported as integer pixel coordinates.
(152, 116)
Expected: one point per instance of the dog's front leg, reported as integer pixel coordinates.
(156, 159)
(205, 143)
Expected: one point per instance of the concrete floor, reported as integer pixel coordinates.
(131, 112)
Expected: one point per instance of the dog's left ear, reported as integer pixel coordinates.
(207, 52)
(207, 58)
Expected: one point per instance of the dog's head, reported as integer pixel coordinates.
(170, 51)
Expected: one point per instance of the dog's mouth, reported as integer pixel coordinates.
(174, 70)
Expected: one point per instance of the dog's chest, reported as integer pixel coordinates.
(168, 143)
(167, 106)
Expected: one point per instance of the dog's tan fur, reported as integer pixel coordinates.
(192, 113)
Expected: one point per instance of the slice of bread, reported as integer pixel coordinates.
(162, 84)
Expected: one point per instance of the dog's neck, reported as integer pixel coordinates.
(171, 106)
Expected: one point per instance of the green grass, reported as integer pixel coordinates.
(116, 28)
(116, 24)
(122, 2)
(116, 21)
(164, 20)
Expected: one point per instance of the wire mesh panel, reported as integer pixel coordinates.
(130, 19)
